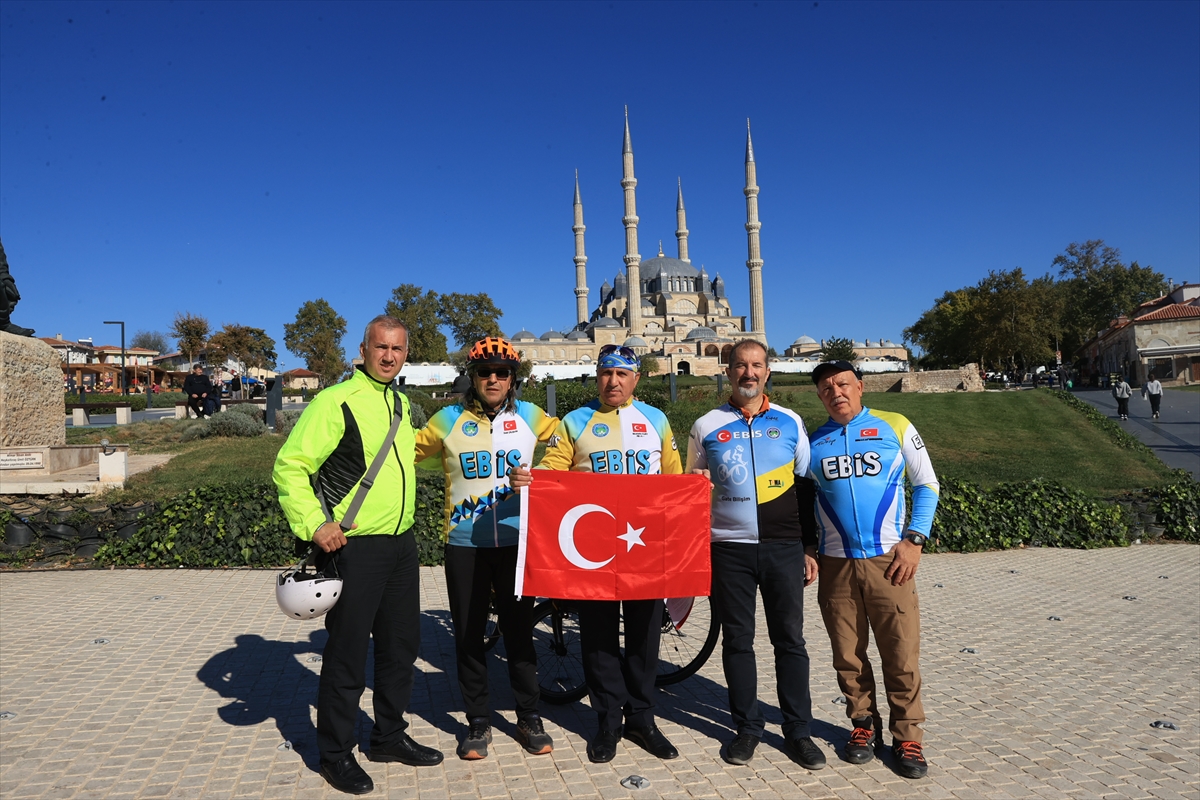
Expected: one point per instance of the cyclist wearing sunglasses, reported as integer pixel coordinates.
(616, 434)
(480, 440)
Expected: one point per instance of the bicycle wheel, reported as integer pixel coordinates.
(559, 654)
(684, 650)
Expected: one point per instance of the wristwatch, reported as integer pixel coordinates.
(916, 538)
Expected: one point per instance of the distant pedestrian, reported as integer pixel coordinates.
(1122, 393)
(235, 386)
(1153, 390)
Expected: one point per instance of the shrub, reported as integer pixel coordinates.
(243, 525)
(251, 410)
(1036, 512)
(1177, 507)
(285, 421)
(235, 424)
(194, 429)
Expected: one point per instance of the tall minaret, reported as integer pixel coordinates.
(633, 260)
(754, 262)
(681, 219)
(581, 290)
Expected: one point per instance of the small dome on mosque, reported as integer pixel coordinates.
(636, 341)
(522, 336)
(551, 336)
(576, 336)
(700, 333)
(605, 322)
(804, 340)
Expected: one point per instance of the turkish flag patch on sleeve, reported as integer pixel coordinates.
(614, 537)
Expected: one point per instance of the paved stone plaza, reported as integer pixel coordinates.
(201, 681)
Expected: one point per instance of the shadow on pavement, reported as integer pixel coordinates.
(263, 679)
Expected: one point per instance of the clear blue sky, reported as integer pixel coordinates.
(237, 159)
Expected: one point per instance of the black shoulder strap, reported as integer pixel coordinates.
(376, 464)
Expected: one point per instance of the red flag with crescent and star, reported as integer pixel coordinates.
(614, 537)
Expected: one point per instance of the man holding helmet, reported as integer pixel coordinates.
(318, 473)
(621, 688)
(480, 440)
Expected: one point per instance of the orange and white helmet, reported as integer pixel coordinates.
(493, 350)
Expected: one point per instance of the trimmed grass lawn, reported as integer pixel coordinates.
(988, 438)
(1191, 387)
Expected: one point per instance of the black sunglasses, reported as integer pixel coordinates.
(503, 373)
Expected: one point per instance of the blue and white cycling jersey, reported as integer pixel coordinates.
(859, 469)
(753, 464)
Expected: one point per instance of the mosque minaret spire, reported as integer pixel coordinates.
(754, 261)
(633, 261)
(581, 289)
(681, 220)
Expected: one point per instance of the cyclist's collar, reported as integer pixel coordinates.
(745, 412)
(606, 407)
(373, 382)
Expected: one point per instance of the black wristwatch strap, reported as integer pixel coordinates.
(918, 539)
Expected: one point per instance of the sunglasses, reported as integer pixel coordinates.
(625, 352)
(487, 372)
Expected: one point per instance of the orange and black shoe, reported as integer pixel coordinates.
(860, 748)
(912, 762)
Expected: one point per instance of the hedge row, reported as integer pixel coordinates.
(243, 525)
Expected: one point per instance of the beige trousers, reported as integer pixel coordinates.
(854, 595)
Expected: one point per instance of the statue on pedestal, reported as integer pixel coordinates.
(8, 299)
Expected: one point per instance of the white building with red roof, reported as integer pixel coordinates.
(1162, 337)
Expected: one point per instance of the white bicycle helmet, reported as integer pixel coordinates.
(306, 595)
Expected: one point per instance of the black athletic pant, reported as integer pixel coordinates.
(621, 688)
(1155, 402)
(472, 574)
(380, 599)
(739, 573)
(196, 404)
(1123, 406)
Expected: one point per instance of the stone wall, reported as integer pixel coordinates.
(32, 410)
(964, 379)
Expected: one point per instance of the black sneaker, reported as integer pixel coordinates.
(474, 745)
(741, 749)
(533, 737)
(860, 748)
(912, 762)
(805, 753)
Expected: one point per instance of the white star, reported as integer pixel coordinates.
(632, 536)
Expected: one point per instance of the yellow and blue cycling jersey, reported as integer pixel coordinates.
(634, 439)
(859, 469)
(481, 508)
(753, 464)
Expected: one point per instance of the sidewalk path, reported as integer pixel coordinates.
(1174, 436)
(201, 680)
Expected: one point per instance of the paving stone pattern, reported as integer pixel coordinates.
(195, 693)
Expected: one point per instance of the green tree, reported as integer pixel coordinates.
(249, 347)
(1014, 321)
(470, 317)
(946, 333)
(649, 365)
(1099, 288)
(421, 314)
(840, 350)
(151, 340)
(316, 336)
(191, 332)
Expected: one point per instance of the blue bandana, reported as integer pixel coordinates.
(617, 360)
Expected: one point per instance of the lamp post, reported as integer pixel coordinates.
(124, 380)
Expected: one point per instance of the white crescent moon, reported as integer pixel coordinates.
(566, 535)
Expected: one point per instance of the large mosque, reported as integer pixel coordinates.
(662, 306)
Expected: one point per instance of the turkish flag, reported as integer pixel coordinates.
(614, 537)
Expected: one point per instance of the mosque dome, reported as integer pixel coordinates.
(551, 336)
(804, 340)
(700, 333)
(522, 336)
(605, 322)
(577, 336)
(636, 341)
(653, 267)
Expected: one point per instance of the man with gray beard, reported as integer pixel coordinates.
(756, 454)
